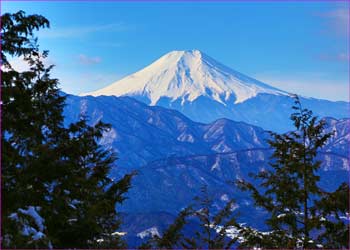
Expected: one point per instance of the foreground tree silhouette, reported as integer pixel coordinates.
(208, 228)
(55, 186)
(301, 213)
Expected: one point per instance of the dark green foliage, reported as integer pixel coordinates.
(208, 228)
(334, 207)
(17, 34)
(62, 172)
(291, 195)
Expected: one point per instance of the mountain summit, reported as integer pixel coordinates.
(205, 90)
(184, 76)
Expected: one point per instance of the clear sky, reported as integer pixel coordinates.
(300, 47)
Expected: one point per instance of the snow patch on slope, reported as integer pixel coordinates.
(150, 232)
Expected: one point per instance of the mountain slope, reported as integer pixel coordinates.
(205, 90)
(142, 133)
(170, 184)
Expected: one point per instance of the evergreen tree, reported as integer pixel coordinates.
(55, 186)
(207, 227)
(290, 191)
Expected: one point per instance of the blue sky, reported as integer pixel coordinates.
(299, 47)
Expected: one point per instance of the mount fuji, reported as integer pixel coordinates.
(188, 75)
(205, 90)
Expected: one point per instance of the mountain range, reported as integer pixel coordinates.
(175, 156)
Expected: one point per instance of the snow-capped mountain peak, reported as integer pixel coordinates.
(185, 76)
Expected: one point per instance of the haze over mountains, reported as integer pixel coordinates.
(205, 90)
